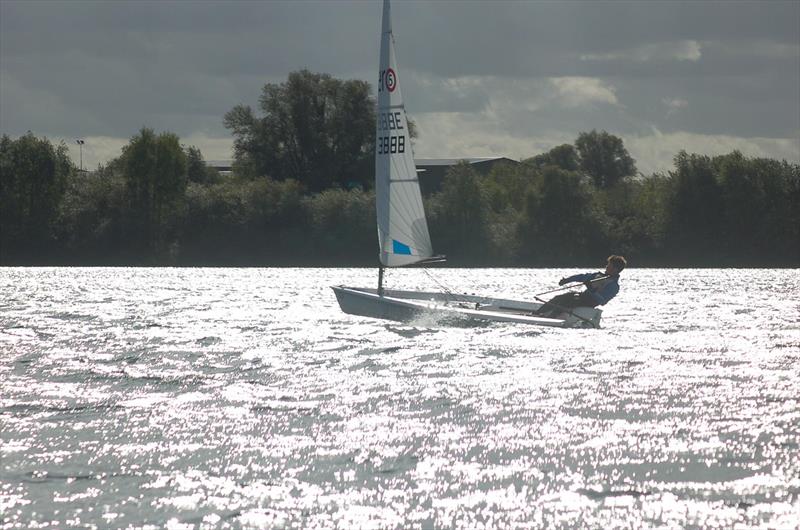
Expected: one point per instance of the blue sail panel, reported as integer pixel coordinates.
(399, 248)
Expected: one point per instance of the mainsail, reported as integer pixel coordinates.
(402, 229)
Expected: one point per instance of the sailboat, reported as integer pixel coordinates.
(403, 236)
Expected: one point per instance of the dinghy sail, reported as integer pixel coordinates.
(403, 236)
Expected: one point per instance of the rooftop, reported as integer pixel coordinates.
(454, 161)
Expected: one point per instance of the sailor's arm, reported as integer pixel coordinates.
(578, 278)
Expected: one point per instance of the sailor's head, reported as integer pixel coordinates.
(615, 264)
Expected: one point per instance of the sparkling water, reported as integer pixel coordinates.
(244, 398)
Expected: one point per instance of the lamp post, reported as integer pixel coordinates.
(80, 144)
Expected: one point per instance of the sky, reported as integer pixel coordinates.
(479, 78)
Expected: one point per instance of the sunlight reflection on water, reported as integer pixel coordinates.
(245, 398)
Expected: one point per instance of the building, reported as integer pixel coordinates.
(431, 171)
(225, 167)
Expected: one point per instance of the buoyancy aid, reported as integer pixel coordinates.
(602, 290)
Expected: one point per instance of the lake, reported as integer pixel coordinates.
(244, 398)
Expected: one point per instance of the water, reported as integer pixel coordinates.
(243, 398)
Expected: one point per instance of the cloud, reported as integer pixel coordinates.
(520, 118)
(674, 104)
(103, 70)
(764, 49)
(683, 50)
(654, 152)
(577, 91)
(502, 97)
(452, 135)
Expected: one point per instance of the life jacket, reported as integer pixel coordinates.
(600, 284)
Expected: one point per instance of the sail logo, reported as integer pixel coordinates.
(391, 80)
(388, 79)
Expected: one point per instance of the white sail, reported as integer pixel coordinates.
(402, 229)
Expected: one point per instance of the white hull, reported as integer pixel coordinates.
(444, 308)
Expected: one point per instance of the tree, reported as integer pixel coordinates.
(557, 224)
(695, 212)
(154, 168)
(756, 202)
(33, 176)
(459, 216)
(316, 129)
(91, 218)
(196, 168)
(631, 215)
(506, 184)
(562, 156)
(505, 189)
(603, 157)
(342, 226)
(244, 222)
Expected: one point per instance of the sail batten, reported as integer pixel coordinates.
(403, 236)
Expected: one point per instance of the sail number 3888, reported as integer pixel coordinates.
(391, 144)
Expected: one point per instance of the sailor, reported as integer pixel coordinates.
(600, 288)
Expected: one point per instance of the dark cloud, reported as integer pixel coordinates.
(106, 69)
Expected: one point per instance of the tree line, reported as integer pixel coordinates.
(301, 193)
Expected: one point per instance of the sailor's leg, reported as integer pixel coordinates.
(585, 299)
(557, 304)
